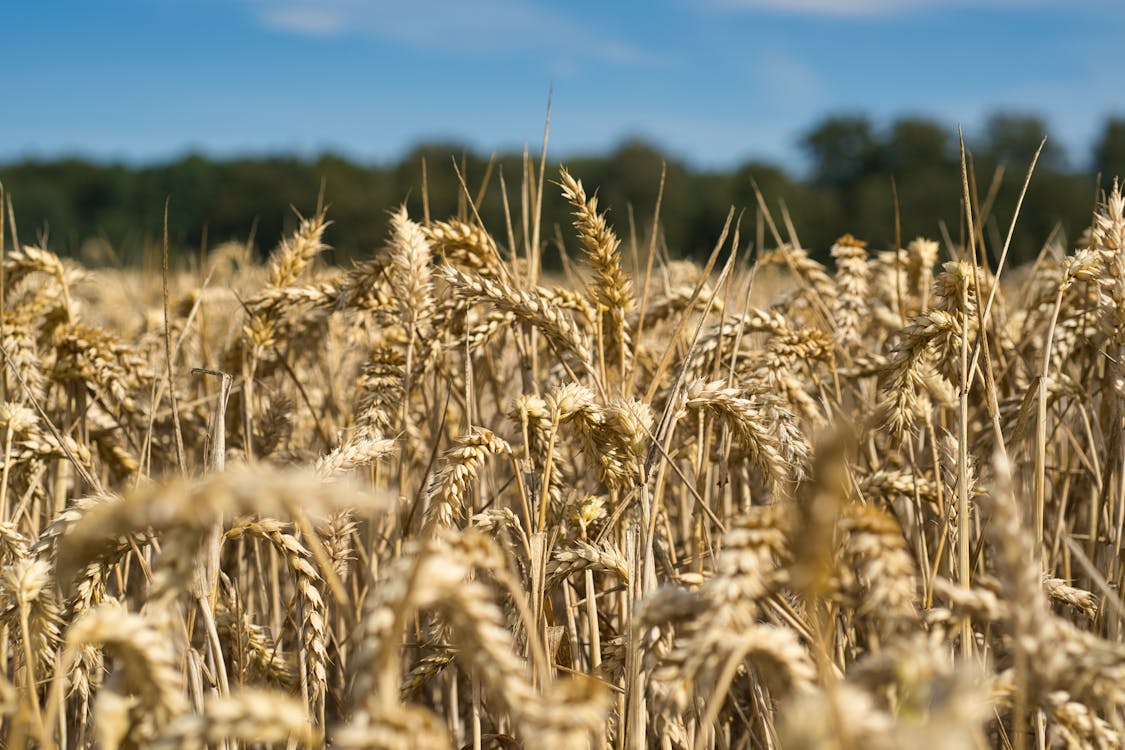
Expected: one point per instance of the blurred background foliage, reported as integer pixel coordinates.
(113, 213)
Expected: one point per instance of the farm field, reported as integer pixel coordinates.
(446, 497)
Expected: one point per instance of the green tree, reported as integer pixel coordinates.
(843, 149)
(848, 189)
(916, 144)
(1011, 138)
(1109, 151)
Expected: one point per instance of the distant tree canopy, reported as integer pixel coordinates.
(1109, 152)
(856, 171)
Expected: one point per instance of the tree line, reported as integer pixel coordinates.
(902, 180)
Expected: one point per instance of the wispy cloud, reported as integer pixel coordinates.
(787, 78)
(464, 26)
(308, 21)
(869, 8)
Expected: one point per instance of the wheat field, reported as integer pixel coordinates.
(442, 498)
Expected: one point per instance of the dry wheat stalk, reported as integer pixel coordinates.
(760, 422)
(310, 602)
(449, 487)
(465, 245)
(611, 291)
(293, 256)
(145, 664)
(532, 307)
(255, 653)
(851, 279)
(251, 715)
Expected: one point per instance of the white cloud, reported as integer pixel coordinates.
(870, 7)
(308, 21)
(466, 26)
(788, 78)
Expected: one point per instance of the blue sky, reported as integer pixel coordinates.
(714, 81)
